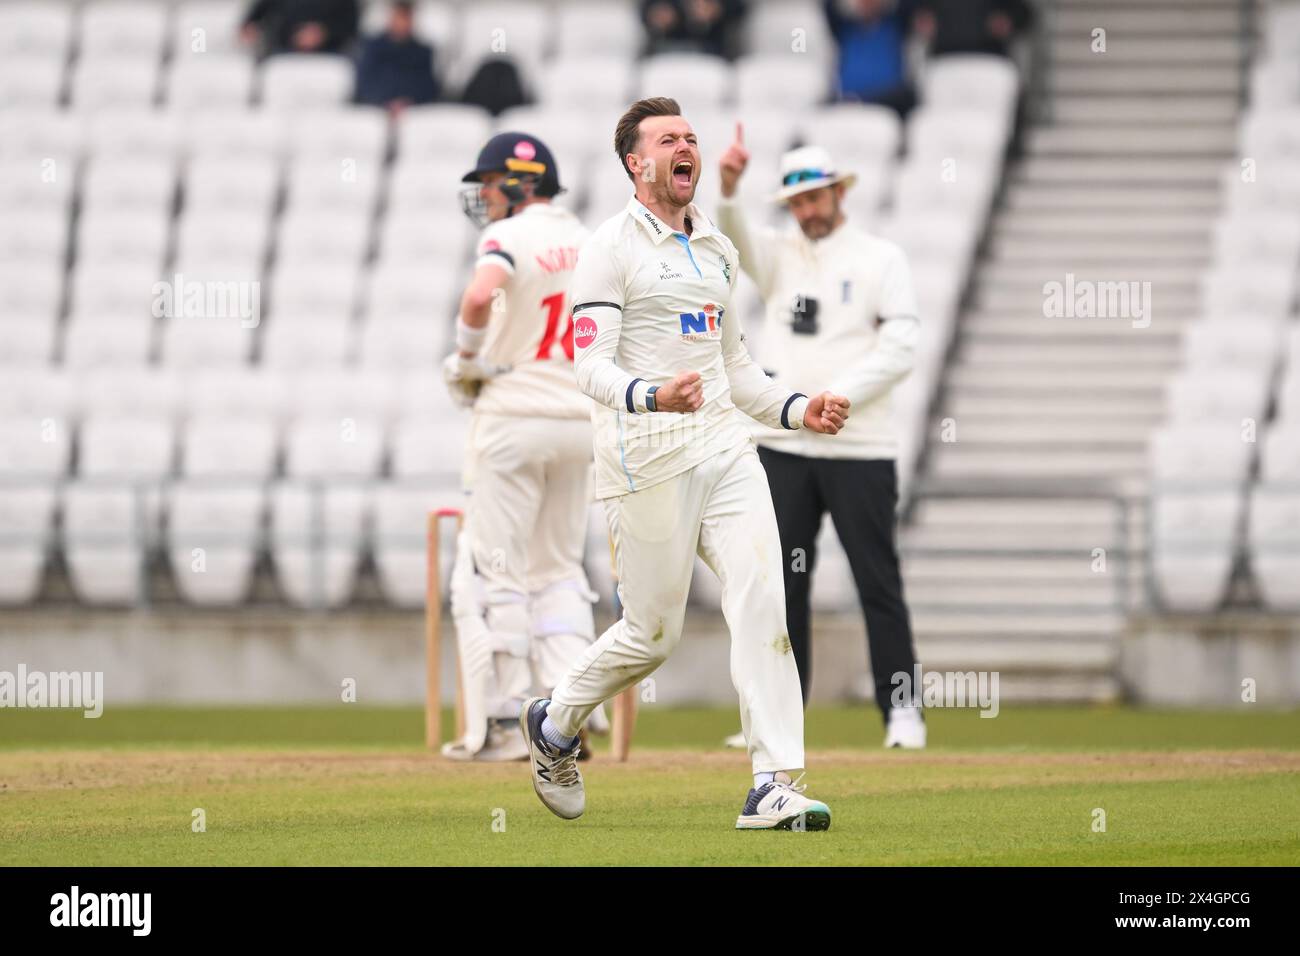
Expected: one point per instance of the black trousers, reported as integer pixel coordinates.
(861, 496)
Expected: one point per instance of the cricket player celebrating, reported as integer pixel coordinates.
(520, 596)
(658, 350)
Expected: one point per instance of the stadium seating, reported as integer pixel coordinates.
(257, 268)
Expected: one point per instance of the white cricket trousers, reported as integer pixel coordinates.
(722, 511)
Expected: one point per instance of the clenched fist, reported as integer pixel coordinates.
(733, 163)
(826, 413)
(683, 394)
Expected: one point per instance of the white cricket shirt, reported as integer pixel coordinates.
(867, 327)
(650, 303)
(531, 329)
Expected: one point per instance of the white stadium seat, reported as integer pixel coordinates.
(137, 183)
(134, 241)
(135, 132)
(1193, 541)
(149, 393)
(1226, 394)
(26, 515)
(402, 343)
(31, 81)
(611, 27)
(404, 288)
(973, 83)
(238, 393)
(106, 530)
(587, 81)
(113, 288)
(244, 186)
(113, 82)
(329, 447)
(1274, 536)
(202, 343)
(333, 183)
(35, 28)
(335, 395)
(97, 340)
(234, 134)
(1195, 455)
(422, 448)
(316, 538)
(442, 132)
(34, 447)
(207, 28)
(211, 234)
(854, 133)
(125, 28)
(781, 82)
(326, 237)
(293, 341)
(424, 240)
(696, 81)
(400, 519)
(205, 81)
(35, 235)
(329, 291)
(221, 446)
(794, 27)
(298, 81)
(114, 447)
(1251, 346)
(212, 536)
(356, 132)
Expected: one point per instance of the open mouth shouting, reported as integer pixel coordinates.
(684, 173)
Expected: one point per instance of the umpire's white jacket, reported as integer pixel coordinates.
(867, 326)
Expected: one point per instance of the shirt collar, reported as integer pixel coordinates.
(658, 230)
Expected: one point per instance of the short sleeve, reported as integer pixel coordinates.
(492, 249)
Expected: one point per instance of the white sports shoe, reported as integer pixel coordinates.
(505, 742)
(556, 779)
(906, 729)
(781, 805)
(736, 741)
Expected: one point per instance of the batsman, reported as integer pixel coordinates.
(519, 593)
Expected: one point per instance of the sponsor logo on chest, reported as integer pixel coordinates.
(702, 325)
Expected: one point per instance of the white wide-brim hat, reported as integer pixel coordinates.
(808, 167)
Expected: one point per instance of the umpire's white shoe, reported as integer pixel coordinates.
(556, 779)
(906, 729)
(781, 805)
(504, 743)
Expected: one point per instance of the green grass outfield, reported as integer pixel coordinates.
(352, 785)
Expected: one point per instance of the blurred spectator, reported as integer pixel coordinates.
(871, 35)
(301, 26)
(691, 26)
(971, 26)
(395, 70)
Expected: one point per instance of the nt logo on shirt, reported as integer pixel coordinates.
(706, 324)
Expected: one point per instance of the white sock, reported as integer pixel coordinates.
(767, 776)
(554, 737)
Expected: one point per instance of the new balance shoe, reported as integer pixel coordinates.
(781, 805)
(556, 779)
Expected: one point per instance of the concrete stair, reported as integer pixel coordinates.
(1118, 181)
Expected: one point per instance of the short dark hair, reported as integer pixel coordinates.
(628, 130)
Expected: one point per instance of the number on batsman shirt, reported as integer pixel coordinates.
(533, 333)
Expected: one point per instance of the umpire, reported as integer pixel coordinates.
(840, 309)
